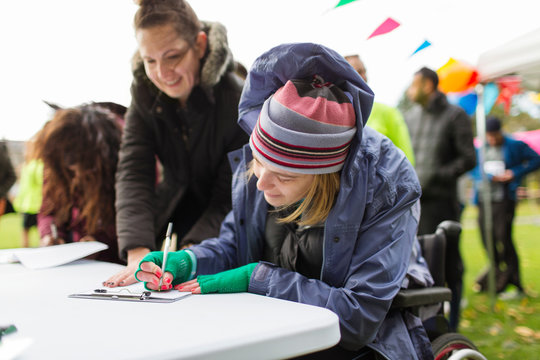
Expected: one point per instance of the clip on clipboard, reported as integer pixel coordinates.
(134, 292)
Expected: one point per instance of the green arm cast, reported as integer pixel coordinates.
(179, 264)
(230, 281)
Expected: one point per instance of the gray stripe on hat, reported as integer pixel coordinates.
(301, 138)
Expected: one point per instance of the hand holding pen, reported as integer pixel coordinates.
(165, 253)
(161, 270)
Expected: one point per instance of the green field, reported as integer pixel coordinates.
(510, 329)
(11, 232)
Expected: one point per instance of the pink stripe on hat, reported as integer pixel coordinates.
(318, 103)
(296, 165)
(288, 151)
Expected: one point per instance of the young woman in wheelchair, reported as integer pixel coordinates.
(325, 210)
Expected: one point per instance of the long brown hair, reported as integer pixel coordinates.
(317, 203)
(79, 148)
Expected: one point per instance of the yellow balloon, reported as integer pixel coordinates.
(455, 76)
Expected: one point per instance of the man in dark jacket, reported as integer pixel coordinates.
(442, 140)
(183, 114)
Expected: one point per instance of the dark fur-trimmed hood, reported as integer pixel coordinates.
(217, 61)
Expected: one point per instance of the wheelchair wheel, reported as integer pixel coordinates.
(447, 344)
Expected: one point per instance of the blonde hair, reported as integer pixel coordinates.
(317, 202)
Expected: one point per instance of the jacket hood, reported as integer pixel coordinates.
(274, 68)
(217, 61)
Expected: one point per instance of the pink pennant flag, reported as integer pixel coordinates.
(387, 26)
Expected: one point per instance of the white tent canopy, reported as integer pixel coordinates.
(520, 56)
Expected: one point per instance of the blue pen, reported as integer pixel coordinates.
(165, 252)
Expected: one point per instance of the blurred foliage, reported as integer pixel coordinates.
(516, 120)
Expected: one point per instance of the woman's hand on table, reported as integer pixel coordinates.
(189, 286)
(126, 276)
(48, 240)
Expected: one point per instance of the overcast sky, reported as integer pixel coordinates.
(72, 51)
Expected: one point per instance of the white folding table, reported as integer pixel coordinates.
(217, 326)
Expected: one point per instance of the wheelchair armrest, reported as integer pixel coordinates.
(451, 228)
(425, 296)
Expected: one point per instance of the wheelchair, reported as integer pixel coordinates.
(427, 303)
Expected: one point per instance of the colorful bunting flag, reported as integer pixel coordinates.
(468, 100)
(387, 26)
(508, 87)
(468, 103)
(491, 93)
(343, 2)
(424, 45)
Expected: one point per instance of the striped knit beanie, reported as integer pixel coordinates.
(305, 127)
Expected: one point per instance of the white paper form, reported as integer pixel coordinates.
(134, 292)
(50, 256)
(12, 348)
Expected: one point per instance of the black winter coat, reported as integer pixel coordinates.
(193, 181)
(442, 140)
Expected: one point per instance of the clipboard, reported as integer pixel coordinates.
(135, 292)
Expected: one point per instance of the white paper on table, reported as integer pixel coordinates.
(50, 256)
(8, 256)
(134, 290)
(12, 348)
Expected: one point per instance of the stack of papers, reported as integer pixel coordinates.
(50, 256)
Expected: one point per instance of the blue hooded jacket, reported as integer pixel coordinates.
(370, 249)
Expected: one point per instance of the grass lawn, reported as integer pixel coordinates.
(510, 329)
(11, 232)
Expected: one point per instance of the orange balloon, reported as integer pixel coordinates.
(456, 76)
